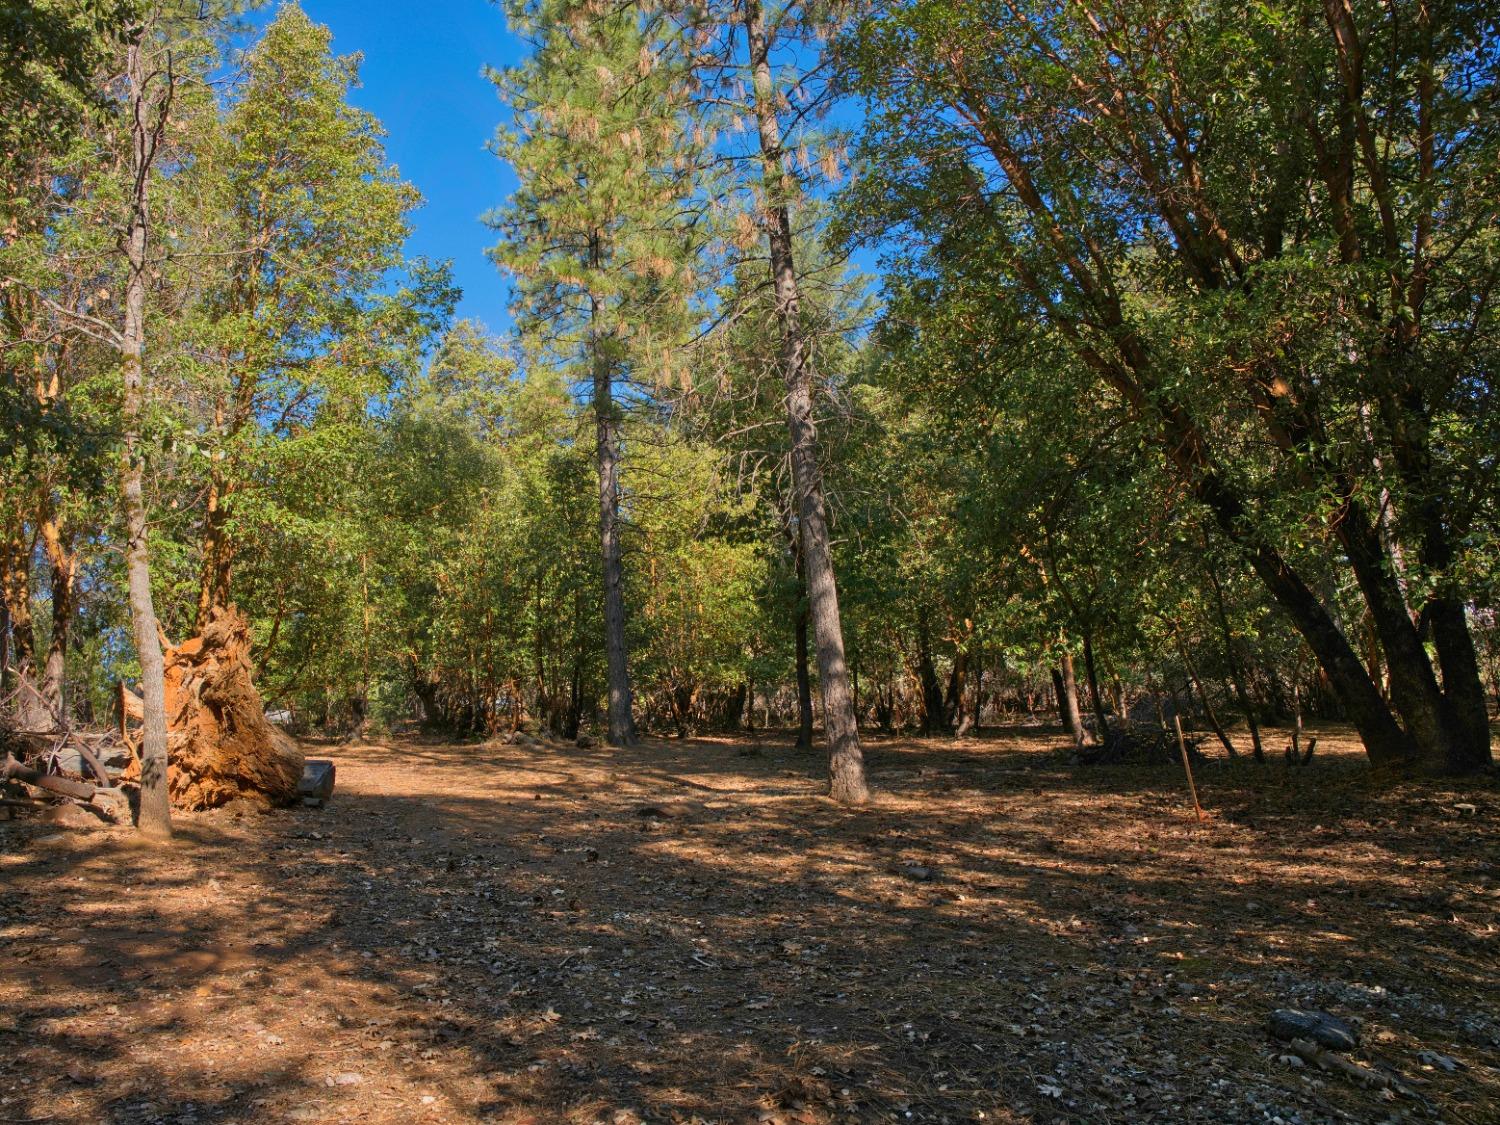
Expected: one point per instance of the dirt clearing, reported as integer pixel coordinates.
(688, 931)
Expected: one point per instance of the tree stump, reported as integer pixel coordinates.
(219, 745)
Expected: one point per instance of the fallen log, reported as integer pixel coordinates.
(12, 769)
(220, 748)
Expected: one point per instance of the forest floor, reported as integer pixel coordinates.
(689, 932)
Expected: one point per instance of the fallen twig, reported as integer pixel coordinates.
(1365, 1076)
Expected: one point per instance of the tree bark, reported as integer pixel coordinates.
(932, 690)
(28, 709)
(1236, 672)
(1096, 700)
(214, 571)
(846, 768)
(64, 567)
(221, 746)
(804, 677)
(958, 682)
(1208, 707)
(1067, 700)
(1430, 719)
(620, 724)
(147, 117)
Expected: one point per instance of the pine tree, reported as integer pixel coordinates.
(739, 52)
(594, 237)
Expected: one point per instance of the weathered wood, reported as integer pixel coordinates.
(53, 784)
(220, 746)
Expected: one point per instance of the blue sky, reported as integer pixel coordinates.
(422, 77)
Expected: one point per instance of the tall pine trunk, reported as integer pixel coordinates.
(155, 814)
(846, 767)
(804, 678)
(621, 728)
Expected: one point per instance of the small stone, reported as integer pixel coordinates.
(348, 1078)
(318, 776)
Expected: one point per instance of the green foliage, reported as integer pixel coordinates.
(1135, 261)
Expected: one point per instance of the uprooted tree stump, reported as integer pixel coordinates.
(219, 745)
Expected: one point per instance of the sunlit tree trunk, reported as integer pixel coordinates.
(1066, 682)
(846, 768)
(146, 116)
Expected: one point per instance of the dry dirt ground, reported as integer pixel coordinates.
(689, 932)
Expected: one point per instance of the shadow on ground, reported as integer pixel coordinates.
(690, 931)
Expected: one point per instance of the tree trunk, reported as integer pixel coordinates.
(1410, 424)
(155, 815)
(64, 566)
(1096, 700)
(804, 677)
(1440, 738)
(932, 690)
(1384, 740)
(1462, 683)
(1236, 672)
(802, 620)
(220, 745)
(846, 768)
(1208, 707)
(214, 571)
(958, 681)
(734, 706)
(1067, 700)
(621, 727)
(28, 709)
